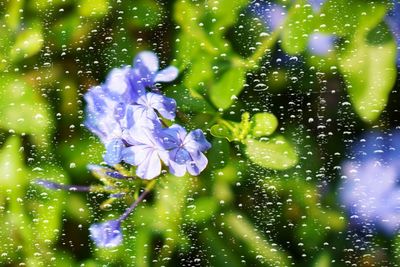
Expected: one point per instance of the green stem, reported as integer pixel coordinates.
(147, 190)
(268, 42)
(227, 124)
(265, 47)
(243, 230)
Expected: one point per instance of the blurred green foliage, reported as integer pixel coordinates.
(279, 131)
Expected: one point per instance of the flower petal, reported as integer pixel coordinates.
(180, 155)
(150, 167)
(117, 83)
(177, 169)
(114, 151)
(164, 105)
(166, 75)
(197, 165)
(135, 155)
(107, 234)
(146, 60)
(196, 140)
(138, 80)
(173, 136)
(142, 135)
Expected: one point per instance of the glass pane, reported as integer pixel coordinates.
(199, 133)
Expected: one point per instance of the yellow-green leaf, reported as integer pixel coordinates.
(275, 153)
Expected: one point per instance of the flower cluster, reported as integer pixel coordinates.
(127, 113)
(371, 190)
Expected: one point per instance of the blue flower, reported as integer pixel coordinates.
(127, 84)
(144, 111)
(145, 69)
(371, 190)
(147, 151)
(125, 116)
(100, 114)
(107, 234)
(123, 102)
(103, 118)
(185, 150)
(121, 85)
(113, 153)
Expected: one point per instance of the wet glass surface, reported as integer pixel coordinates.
(199, 133)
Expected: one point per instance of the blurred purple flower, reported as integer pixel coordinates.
(107, 234)
(321, 44)
(185, 150)
(274, 15)
(316, 4)
(371, 191)
(393, 20)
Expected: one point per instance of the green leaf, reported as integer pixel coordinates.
(12, 168)
(45, 6)
(200, 73)
(227, 89)
(13, 17)
(219, 154)
(266, 253)
(202, 209)
(89, 8)
(79, 152)
(23, 110)
(48, 207)
(170, 203)
(187, 49)
(189, 101)
(343, 17)
(6, 41)
(222, 131)
(243, 129)
(224, 13)
(296, 30)
(323, 260)
(143, 13)
(263, 124)
(187, 15)
(275, 153)
(28, 43)
(66, 31)
(219, 250)
(232, 131)
(370, 69)
(190, 17)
